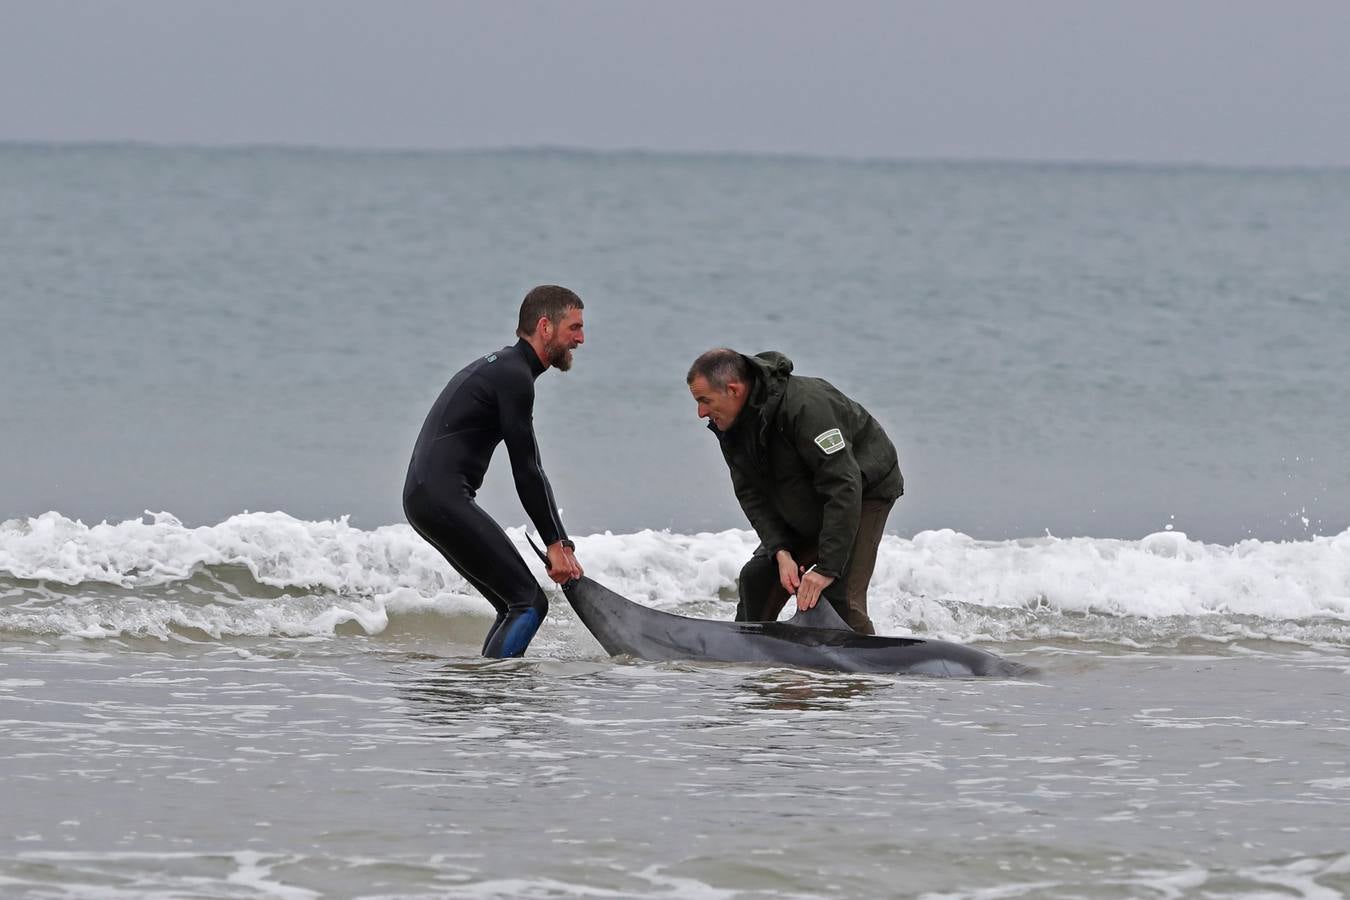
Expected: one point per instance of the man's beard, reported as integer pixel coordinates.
(560, 357)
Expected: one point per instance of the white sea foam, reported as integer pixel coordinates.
(62, 576)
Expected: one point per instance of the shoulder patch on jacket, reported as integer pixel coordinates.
(831, 441)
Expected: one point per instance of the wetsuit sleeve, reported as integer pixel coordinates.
(774, 533)
(515, 405)
(827, 451)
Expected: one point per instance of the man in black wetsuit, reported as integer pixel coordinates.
(489, 401)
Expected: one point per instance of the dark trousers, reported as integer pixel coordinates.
(477, 548)
(763, 595)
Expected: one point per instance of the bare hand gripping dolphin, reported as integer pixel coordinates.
(816, 638)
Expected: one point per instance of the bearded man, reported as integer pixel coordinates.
(490, 401)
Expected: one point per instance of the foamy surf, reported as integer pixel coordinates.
(270, 574)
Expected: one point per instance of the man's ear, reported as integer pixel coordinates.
(736, 389)
(541, 324)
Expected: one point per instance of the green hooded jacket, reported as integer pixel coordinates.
(802, 458)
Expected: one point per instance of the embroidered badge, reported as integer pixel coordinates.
(491, 357)
(831, 441)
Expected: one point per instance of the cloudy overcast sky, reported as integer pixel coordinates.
(1231, 82)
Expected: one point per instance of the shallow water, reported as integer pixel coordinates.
(274, 707)
(367, 767)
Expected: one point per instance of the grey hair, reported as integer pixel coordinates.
(720, 366)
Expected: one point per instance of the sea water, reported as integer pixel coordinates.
(229, 669)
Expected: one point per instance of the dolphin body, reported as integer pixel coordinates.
(814, 639)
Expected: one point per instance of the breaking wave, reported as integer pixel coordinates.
(270, 574)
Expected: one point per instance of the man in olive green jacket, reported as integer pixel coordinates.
(815, 474)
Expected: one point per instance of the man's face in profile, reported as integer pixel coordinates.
(721, 406)
(569, 334)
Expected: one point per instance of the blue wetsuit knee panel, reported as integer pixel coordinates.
(512, 637)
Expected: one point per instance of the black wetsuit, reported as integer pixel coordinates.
(491, 400)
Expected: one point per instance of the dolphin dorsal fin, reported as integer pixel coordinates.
(822, 615)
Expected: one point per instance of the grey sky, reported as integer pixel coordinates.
(1223, 82)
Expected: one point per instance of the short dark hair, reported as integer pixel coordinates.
(720, 366)
(547, 300)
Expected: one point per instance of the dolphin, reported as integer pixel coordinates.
(816, 638)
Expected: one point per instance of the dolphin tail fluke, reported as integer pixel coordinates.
(543, 557)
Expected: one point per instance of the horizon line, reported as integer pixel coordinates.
(547, 148)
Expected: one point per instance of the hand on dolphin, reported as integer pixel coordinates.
(562, 563)
(812, 584)
(789, 571)
(805, 583)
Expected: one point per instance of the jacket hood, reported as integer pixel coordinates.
(771, 370)
(770, 366)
